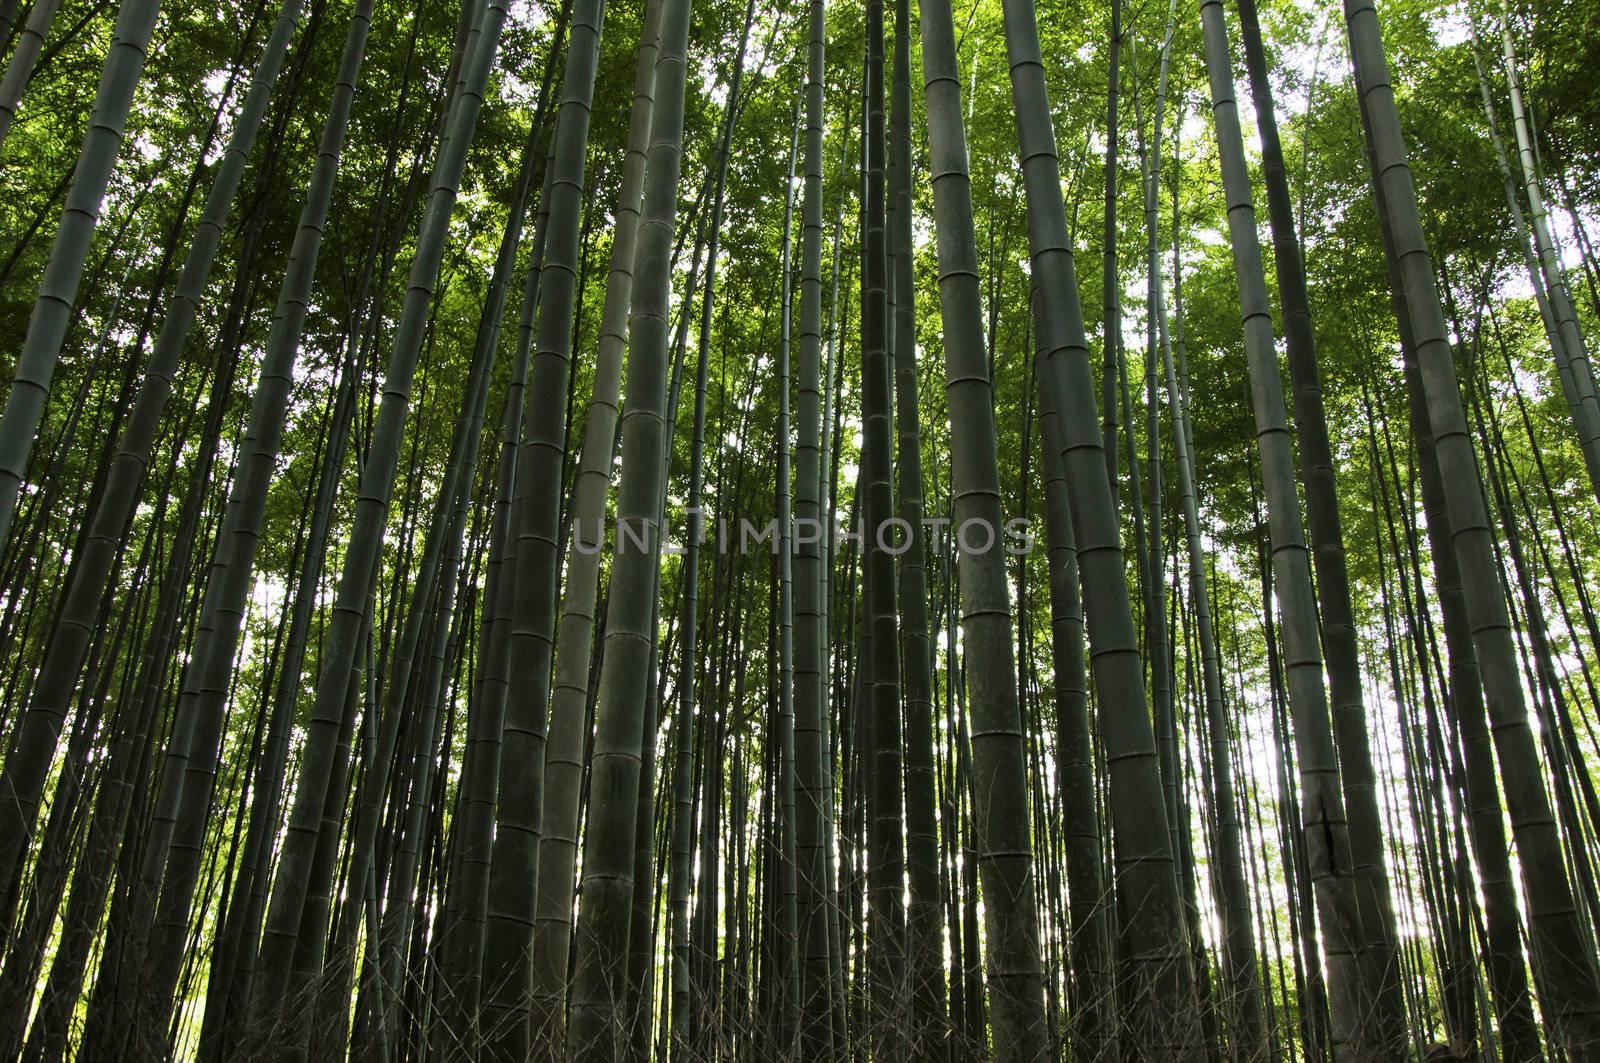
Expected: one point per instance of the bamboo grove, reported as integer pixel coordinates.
(705, 530)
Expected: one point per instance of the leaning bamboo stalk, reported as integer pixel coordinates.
(58, 291)
(1157, 956)
(1324, 825)
(1568, 971)
(291, 884)
(27, 765)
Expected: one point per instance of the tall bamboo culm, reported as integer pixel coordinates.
(1564, 969)
(1157, 997)
(599, 1023)
(999, 752)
